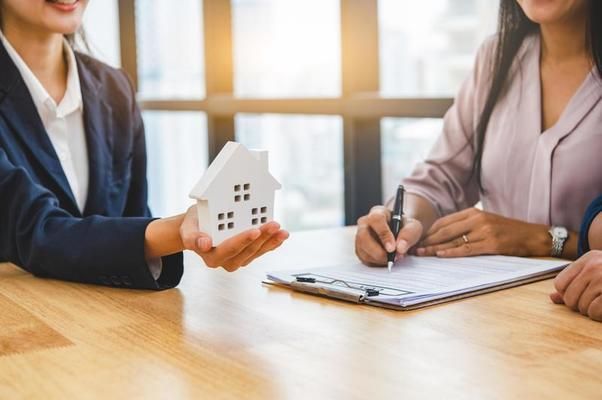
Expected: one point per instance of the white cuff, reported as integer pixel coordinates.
(155, 266)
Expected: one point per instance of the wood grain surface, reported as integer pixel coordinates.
(227, 336)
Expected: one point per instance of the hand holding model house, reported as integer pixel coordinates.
(235, 209)
(236, 193)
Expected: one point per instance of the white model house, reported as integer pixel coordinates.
(236, 192)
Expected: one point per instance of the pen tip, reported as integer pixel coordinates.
(389, 265)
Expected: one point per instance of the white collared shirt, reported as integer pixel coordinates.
(64, 122)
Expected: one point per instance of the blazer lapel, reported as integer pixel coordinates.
(19, 111)
(98, 126)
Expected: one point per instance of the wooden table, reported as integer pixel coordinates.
(222, 335)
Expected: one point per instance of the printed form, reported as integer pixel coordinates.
(416, 280)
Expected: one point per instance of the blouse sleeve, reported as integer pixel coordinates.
(445, 177)
(590, 215)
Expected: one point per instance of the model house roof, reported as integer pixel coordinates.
(234, 153)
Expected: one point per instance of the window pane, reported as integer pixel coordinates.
(306, 156)
(176, 143)
(286, 48)
(101, 22)
(405, 142)
(170, 49)
(427, 48)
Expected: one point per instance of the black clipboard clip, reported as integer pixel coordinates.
(334, 288)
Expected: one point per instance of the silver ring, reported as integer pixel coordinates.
(465, 238)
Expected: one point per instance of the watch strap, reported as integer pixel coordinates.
(557, 243)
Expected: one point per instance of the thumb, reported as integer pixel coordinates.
(556, 297)
(409, 235)
(204, 243)
(192, 238)
(196, 241)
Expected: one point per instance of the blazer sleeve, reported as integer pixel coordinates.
(445, 177)
(47, 241)
(590, 215)
(169, 268)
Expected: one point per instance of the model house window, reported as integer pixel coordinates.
(259, 215)
(225, 220)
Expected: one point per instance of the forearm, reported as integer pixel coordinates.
(421, 209)
(162, 237)
(538, 242)
(595, 233)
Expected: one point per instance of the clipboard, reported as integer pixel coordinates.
(360, 297)
(359, 284)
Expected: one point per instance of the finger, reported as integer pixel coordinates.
(272, 244)
(368, 248)
(409, 235)
(566, 276)
(451, 219)
(379, 223)
(248, 252)
(575, 290)
(475, 237)
(368, 258)
(466, 250)
(233, 246)
(449, 232)
(556, 298)
(591, 292)
(230, 267)
(431, 251)
(192, 238)
(595, 309)
(200, 243)
(267, 231)
(204, 243)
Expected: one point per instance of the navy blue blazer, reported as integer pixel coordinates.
(590, 215)
(41, 227)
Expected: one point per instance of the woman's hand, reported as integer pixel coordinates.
(374, 237)
(235, 252)
(579, 286)
(473, 232)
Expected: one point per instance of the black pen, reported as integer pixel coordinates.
(396, 223)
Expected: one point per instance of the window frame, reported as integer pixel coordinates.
(360, 104)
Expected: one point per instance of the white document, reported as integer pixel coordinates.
(419, 280)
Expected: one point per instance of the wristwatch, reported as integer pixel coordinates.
(559, 235)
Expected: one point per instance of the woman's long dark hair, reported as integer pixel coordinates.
(513, 27)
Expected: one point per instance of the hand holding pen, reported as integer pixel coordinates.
(375, 240)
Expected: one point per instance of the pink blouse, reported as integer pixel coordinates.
(546, 178)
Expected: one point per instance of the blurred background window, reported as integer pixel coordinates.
(406, 142)
(101, 25)
(176, 143)
(306, 156)
(284, 52)
(427, 48)
(286, 48)
(170, 49)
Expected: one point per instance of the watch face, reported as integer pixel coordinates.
(560, 232)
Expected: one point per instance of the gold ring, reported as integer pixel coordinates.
(465, 238)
